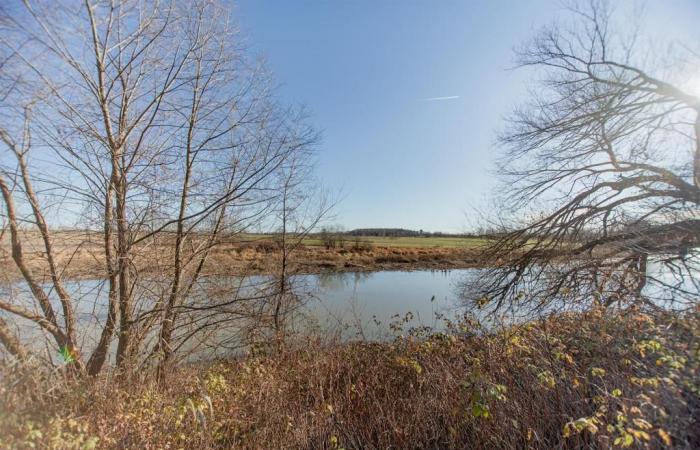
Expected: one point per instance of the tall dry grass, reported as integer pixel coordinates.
(578, 381)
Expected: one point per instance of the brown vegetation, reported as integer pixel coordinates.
(580, 381)
(81, 255)
(96, 86)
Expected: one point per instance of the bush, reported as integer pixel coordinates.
(360, 245)
(575, 381)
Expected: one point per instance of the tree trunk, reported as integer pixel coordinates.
(11, 343)
(99, 355)
(124, 349)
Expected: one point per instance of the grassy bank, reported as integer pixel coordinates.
(577, 381)
(409, 241)
(80, 254)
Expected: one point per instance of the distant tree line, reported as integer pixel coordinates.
(399, 232)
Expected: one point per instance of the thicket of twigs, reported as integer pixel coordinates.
(578, 381)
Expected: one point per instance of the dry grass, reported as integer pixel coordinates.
(412, 241)
(577, 382)
(80, 255)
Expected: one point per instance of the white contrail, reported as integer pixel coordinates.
(433, 99)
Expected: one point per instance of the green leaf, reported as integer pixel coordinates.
(66, 354)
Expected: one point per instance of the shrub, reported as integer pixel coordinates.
(574, 381)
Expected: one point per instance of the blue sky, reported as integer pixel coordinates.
(366, 69)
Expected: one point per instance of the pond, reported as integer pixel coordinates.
(349, 305)
(344, 306)
(366, 303)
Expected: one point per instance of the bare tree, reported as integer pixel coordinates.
(148, 122)
(332, 236)
(601, 174)
(302, 206)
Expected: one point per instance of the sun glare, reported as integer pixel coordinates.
(693, 85)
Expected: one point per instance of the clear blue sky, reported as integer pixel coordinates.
(365, 69)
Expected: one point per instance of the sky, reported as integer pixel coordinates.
(409, 95)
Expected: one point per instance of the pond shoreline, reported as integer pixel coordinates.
(237, 260)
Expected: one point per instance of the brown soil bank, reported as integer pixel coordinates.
(80, 255)
(597, 380)
(312, 259)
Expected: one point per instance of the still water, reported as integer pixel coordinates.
(365, 304)
(351, 305)
(347, 306)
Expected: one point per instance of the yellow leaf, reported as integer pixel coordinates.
(598, 372)
(567, 431)
(641, 423)
(665, 437)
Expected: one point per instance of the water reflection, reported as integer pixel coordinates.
(362, 305)
(351, 305)
(340, 280)
(347, 305)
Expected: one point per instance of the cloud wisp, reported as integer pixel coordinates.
(437, 99)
